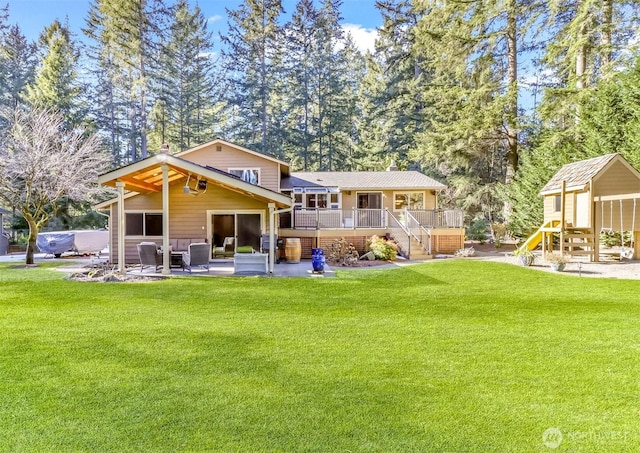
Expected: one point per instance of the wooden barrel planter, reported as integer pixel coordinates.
(292, 250)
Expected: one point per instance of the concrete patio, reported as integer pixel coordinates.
(220, 267)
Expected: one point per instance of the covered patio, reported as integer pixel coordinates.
(161, 174)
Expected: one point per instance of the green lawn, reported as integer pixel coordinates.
(452, 355)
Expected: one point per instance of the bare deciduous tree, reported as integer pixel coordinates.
(41, 162)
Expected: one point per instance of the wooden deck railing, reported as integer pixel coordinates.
(312, 219)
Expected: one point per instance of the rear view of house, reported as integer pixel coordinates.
(230, 196)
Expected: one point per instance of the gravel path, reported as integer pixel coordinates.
(609, 268)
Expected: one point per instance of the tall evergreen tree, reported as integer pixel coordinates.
(584, 47)
(183, 114)
(18, 61)
(344, 140)
(56, 85)
(125, 34)
(323, 71)
(299, 62)
(253, 56)
(472, 51)
(392, 88)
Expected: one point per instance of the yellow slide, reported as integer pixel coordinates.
(535, 239)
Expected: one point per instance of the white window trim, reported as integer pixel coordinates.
(409, 192)
(256, 169)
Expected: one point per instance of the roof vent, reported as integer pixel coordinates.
(392, 166)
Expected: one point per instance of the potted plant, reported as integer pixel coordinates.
(525, 256)
(557, 261)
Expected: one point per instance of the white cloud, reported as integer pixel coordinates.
(364, 38)
(215, 18)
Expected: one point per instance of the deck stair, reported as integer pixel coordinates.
(413, 251)
(417, 251)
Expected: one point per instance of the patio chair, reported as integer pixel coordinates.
(149, 255)
(226, 249)
(197, 256)
(264, 247)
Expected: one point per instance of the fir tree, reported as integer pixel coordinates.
(56, 85)
(253, 57)
(18, 61)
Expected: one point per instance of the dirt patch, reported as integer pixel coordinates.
(488, 249)
(362, 263)
(107, 274)
(23, 266)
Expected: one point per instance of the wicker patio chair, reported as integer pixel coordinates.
(149, 255)
(197, 256)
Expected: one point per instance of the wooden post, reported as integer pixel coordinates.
(563, 214)
(166, 251)
(121, 228)
(595, 225)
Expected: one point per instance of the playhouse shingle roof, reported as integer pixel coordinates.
(578, 174)
(358, 180)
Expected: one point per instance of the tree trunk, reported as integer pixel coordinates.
(581, 53)
(607, 26)
(31, 245)
(512, 93)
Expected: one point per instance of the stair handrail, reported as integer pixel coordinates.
(412, 223)
(404, 239)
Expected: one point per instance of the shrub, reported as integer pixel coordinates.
(478, 230)
(612, 238)
(342, 252)
(499, 233)
(382, 249)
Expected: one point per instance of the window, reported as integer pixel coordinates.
(557, 203)
(369, 200)
(408, 200)
(335, 201)
(143, 224)
(317, 200)
(250, 175)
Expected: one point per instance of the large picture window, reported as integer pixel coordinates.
(317, 200)
(408, 200)
(250, 175)
(143, 224)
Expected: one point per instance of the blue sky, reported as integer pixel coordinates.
(360, 16)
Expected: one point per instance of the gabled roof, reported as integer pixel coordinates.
(577, 175)
(145, 176)
(362, 180)
(218, 141)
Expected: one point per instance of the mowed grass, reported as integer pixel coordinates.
(446, 356)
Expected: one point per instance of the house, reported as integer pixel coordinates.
(219, 190)
(586, 198)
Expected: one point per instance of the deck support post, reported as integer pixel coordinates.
(272, 246)
(563, 214)
(166, 251)
(121, 244)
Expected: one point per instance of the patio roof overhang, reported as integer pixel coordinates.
(146, 176)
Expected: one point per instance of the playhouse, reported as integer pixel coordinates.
(586, 198)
